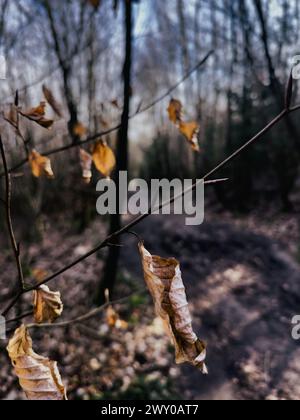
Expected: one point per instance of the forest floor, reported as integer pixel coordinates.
(242, 278)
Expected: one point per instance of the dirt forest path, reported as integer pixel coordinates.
(244, 290)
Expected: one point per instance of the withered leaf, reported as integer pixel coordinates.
(175, 111)
(104, 158)
(47, 305)
(39, 274)
(95, 3)
(86, 161)
(37, 115)
(38, 376)
(79, 130)
(191, 130)
(38, 111)
(164, 281)
(57, 108)
(40, 165)
(113, 319)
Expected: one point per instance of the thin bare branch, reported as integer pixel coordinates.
(107, 242)
(91, 314)
(15, 246)
(117, 127)
(110, 239)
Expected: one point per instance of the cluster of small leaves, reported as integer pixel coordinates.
(38, 376)
(101, 154)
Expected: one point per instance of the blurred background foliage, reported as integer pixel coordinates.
(77, 50)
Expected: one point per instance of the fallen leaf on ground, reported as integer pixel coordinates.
(104, 158)
(38, 376)
(40, 165)
(164, 281)
(47, 305)
(113, 319)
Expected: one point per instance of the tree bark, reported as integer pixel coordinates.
(112, 262)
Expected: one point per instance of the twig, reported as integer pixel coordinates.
(117, 127)
(20, 317)
(19, 133)
(103, 244)
(128, 227)
(15, 246)
(85, 317)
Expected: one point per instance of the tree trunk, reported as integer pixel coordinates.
(111, 266)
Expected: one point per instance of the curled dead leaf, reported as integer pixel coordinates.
(191, 130)
(38, 376)
(86, 161)
(47, 305)
(104, 158)
(175, 111)
(37, 115)
(164, 281)
(40, 165)
(57, 108)
(38, 111)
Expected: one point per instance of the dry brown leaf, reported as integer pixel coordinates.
(175, 111)
(40, 165)
(95, 3)
(38, 111)
(113, 319)
(47, 305)
(86, 161)
(164, 281)
(190, 130)
(111, 316)
(79, 130)
(37, 115)
(43, 122)
(104, 158)
(57, 108)
(38, 376)
(39, 274)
